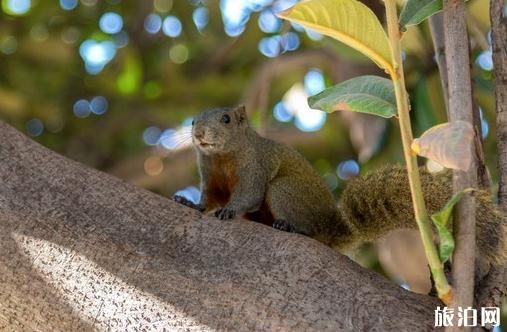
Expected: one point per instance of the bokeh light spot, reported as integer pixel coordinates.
(314, 82)
(178, 53)
(235, 14)
(290, 41)
(347, 170)
(307, 119)
(172, 26)
(153, 23)
(485, 60)
(34, 127)
(270, 46)
(16, 7)
(313, 35)
(99, 105)
(187, 123)
(168, 139)
(281, 5)
(484, 124)
(163, 6)
(200, 17)
(96, 54)
(257, 5)
(153, 166)
(191, 193)
(298, 27)
(281, 113)
(268, 22)
(68, 4)
(151, 135)
(111, 23)
(82, 108)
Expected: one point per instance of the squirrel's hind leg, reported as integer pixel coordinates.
(290, 211)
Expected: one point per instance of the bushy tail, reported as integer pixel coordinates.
(379, 202)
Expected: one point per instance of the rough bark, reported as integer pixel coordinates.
(461, 108)
(436, 23)
(499, 49)
(83, 250)
(494, 288)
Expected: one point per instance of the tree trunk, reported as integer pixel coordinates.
(461, 108)
(499, 48)
(82, 250)
(494, 286)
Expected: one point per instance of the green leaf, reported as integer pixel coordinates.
(441, 220)
(364, 94)
(416, 11)
(348, 21)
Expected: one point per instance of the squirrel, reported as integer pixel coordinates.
(246, 175)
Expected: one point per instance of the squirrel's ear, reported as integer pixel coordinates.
(241, 112)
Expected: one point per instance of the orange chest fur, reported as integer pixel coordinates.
(223, 178)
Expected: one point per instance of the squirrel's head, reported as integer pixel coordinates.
(219, 130)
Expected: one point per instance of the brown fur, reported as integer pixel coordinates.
(382, 198)
(247, 175)
(222, 180)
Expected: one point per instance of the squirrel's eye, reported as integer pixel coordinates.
(192, 122)
(226, 118)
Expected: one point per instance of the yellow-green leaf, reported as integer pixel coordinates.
(441, 220)
(348, 21)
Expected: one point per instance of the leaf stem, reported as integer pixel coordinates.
(421, 214)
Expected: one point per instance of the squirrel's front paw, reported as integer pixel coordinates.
(187, 202)
(224, 213)
(283, 225)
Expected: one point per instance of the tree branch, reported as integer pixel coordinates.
(81, 249)
(461, 108)
(494, 287)
(436, 23)
(499, 47)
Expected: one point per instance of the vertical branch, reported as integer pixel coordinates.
(499, 45)
(461, 108)
(421, 214)
(494, 287)
(436, 23)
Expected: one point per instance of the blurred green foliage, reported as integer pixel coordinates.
(153, 80)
